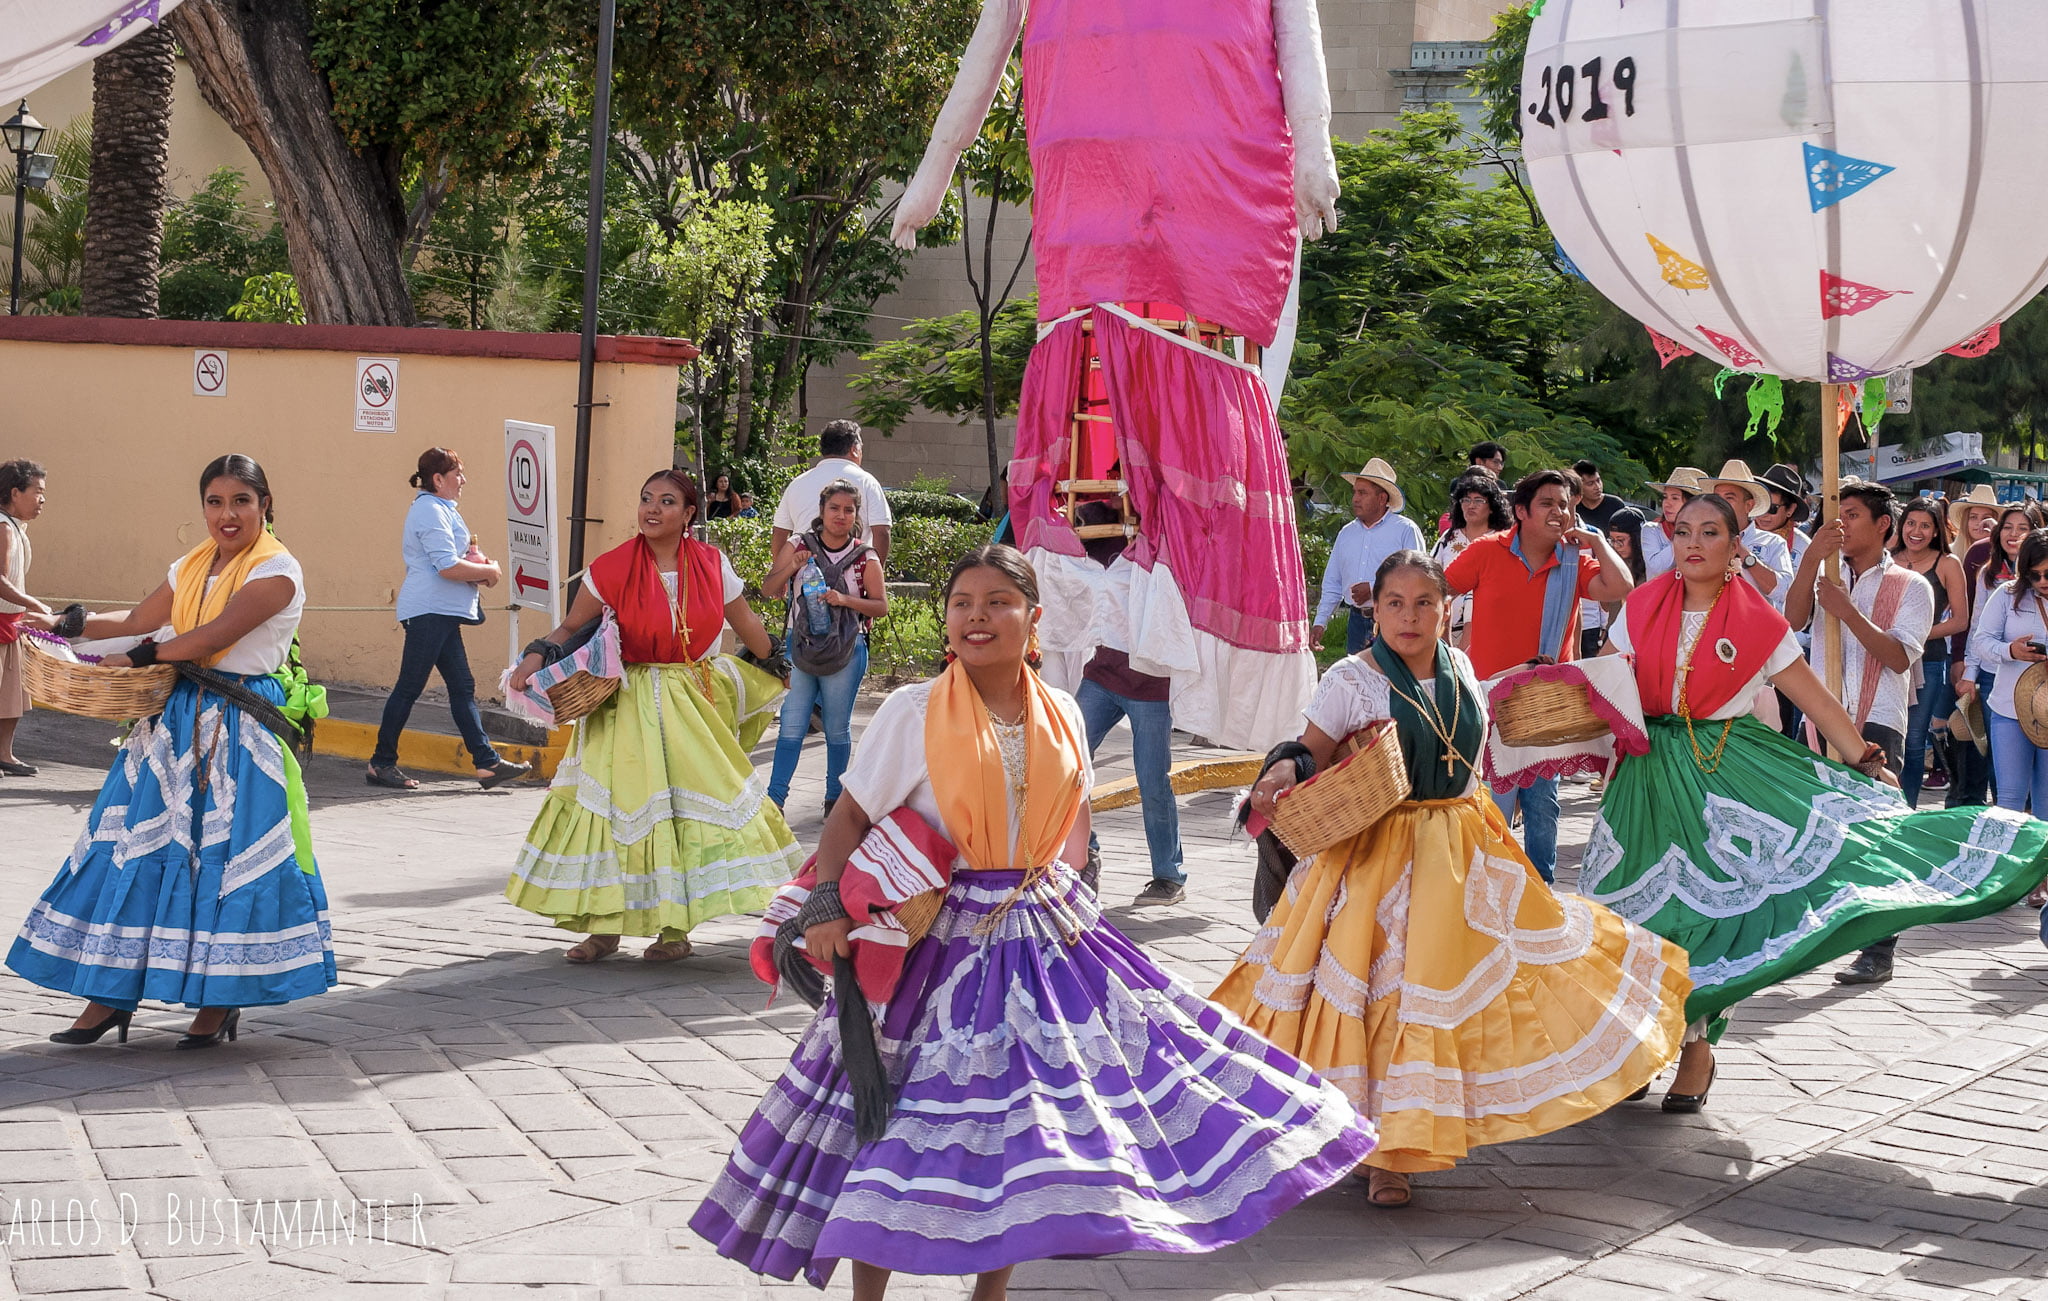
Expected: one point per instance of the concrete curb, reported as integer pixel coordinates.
(1194, 775)
(433, 751)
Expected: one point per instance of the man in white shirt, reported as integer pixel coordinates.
(1766, 560)
(1886, 612)
(839, 458)
(1377, 530)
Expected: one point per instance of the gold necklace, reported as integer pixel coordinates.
(1708, 764)
(1017, 783)
(678, 601)
(1452, 755)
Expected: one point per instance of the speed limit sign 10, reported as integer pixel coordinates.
(531, 566)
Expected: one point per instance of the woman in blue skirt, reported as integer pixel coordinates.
(194, 880)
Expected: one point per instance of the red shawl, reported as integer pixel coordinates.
(631, 584)
(1742, 618)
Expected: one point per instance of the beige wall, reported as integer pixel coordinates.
(124, 440)
(200, 140)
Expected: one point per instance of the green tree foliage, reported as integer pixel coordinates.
(53, 235)
(452, 88)
(938, 365)
(810, 108)
(270, 297)
(1433, 318)
(213, 244)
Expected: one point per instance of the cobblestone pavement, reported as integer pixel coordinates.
(505, 1125)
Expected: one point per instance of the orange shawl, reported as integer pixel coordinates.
(972, 793)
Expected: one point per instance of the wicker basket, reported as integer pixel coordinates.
(918, 912)
(1346, 798)
(1530, 711)
(94, 690)
(578, 696)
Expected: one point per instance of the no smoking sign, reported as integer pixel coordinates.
(210, 372)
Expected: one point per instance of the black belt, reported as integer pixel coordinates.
(296, 736)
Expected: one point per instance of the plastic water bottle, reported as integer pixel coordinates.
(812, 589)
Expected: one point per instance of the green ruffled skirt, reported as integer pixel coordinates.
(1782, 860)
(656, 819)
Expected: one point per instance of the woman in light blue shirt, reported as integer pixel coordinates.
(2010, 624)
(443, 570)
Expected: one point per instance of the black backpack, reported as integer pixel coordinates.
(823, 654)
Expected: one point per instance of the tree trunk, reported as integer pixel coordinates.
(343, 212)
(127, 191)
(743, 403)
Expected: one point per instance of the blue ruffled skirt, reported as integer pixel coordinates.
(186, 886)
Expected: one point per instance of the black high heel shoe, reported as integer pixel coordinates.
(1692, 1104)
(225, 1030)
(90, 1034)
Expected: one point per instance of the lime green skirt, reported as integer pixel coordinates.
(656, 819)
(1782, 860)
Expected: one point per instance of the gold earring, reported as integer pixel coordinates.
(1031, 651)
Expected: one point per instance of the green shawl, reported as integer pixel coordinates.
(1421, 747)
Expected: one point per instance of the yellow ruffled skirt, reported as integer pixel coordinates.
(1425, 969)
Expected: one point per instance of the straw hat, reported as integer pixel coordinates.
(2030, 703)
(1738, 472)
(1959, 509)
(1686, 479)
(1379, 472)
(1966, 723)
(1788, 480)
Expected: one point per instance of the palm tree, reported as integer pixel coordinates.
(131, 147)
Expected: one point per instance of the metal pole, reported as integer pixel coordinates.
(20, 216)
(593, 256)
(1830, 507)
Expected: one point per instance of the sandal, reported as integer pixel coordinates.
(2038, 898)
(667, 951)
(1388, 1189)
(594, 949)
(504, 771)
(14, 768)
(390, 776)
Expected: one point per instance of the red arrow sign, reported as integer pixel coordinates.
(523, 580)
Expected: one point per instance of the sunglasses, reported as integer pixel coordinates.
(2037, 575)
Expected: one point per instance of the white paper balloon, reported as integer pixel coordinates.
(1818, 189)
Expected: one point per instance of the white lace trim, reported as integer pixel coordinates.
(1992, 835)
(1753, 857)
(152, 746)
(631, 826)
(1629, 1020)
(1166, 1205)
(1494, 888)
(583, 873)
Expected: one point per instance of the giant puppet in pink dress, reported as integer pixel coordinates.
(1180, 151)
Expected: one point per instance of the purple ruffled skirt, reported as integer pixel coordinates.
(1053, 1099)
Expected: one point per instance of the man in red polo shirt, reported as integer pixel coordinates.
(1526, 584)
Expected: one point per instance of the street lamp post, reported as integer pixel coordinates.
(32, 171)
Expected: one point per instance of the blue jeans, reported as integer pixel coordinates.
(835, 695)
(1937, 697)
(1152, 756)
(433, 641)
(1539, 822)
(2022, 766)
(1357, 630)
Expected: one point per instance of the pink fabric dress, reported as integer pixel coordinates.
(1162, 164)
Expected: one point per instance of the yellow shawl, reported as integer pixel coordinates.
(971, 790)
(193, 603)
